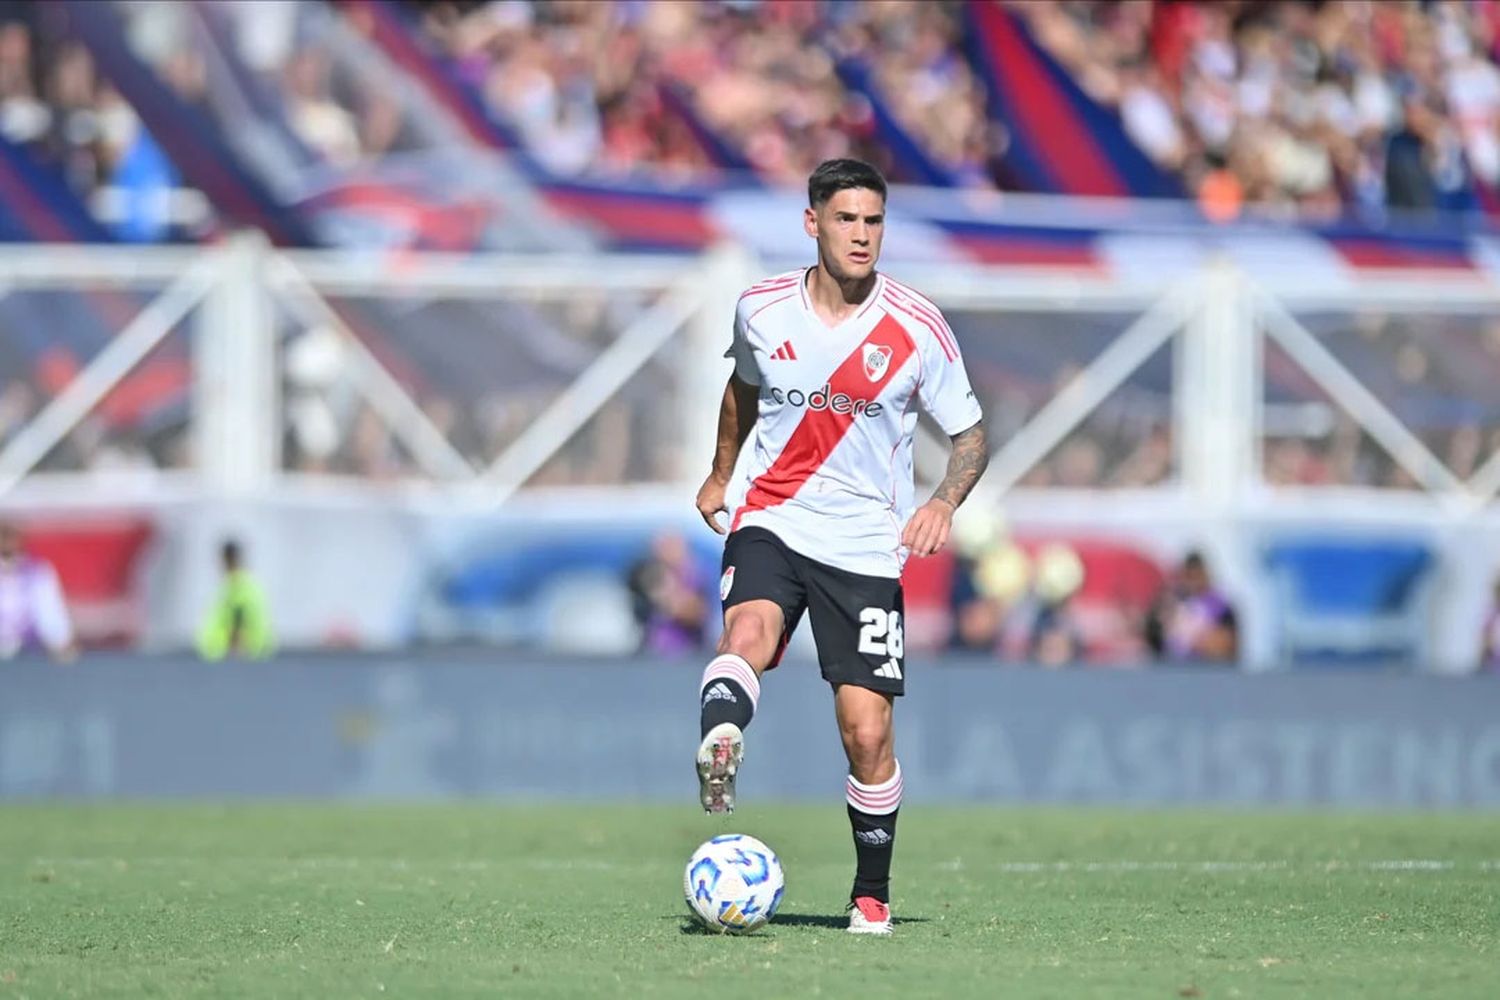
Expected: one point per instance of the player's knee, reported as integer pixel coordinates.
(868, 744)
(748, 635)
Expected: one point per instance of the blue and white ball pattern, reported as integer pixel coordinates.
(733, 884)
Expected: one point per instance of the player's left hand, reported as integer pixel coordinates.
(927, 531)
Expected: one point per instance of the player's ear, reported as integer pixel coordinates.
(810, 222)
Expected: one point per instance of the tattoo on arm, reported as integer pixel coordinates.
(966, 463)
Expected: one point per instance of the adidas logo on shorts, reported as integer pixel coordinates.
(720, 692)
(890, 670)
(875, 838)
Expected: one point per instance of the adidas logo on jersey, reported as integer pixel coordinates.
(875, 838)
(890, 670)
(784, 352)
(824, 399)
(719, 692)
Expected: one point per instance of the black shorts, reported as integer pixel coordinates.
(856, 619)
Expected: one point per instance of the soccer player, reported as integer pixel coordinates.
(830, 365)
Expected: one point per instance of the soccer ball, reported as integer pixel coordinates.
(733, 884)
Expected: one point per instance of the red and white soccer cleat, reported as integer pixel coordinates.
(719, 757)
(868, 915)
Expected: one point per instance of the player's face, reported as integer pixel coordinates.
(848, 227)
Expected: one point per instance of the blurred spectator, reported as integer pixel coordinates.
(1191, 620)
(33, 612)
(18, 404)
(1411, 156)
(239, 623)
(990, 572)
(1012, 605)
(24, 118)
(1040, 626)
(667, 595)
(319, 121)
(1489, 659)
(977, 616)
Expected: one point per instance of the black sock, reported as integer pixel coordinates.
(872, 819)
(729, 692)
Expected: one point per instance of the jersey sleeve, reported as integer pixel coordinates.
(945, 392)
(739, 350)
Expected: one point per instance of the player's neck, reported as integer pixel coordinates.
(834, 300)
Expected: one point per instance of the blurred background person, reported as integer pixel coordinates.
(239, 623)
(990, 573)
(1040, 626)
(33, 612)
(666, 589)
(1192, 621)
(1489, 660)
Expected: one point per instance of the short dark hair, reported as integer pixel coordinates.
(230, 553)
(833, 176)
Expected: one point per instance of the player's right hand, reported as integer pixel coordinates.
(710, 501)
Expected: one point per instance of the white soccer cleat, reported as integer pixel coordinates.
(868, 915)
(719, 757)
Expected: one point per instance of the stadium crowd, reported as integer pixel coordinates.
(1290, 105)
(53, 104)
(1313, 107)
(1283, 105)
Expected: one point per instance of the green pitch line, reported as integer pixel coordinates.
(474, 900)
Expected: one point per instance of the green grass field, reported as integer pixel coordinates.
(474, 900)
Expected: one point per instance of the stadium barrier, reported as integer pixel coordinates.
(324, 407)
(401, 728)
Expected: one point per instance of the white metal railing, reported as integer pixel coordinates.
(1215, 317)
(1217, 323)
(236, 352)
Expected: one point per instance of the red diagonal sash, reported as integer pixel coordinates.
(820, 431)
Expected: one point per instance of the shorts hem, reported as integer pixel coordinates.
(896, 689)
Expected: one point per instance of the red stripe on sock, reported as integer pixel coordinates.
(879, 792)
(878, 799)
(734, 669)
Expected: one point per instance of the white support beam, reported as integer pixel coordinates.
(1216, 393)
(1081, 396)
(1347, 391)
(48, 428)
(1485, 482)
(236, 432)
(574, 407)
(700, 367)
(485, 277)
(428, 445)
(73, 266)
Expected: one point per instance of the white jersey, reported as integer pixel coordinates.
(829, 466)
